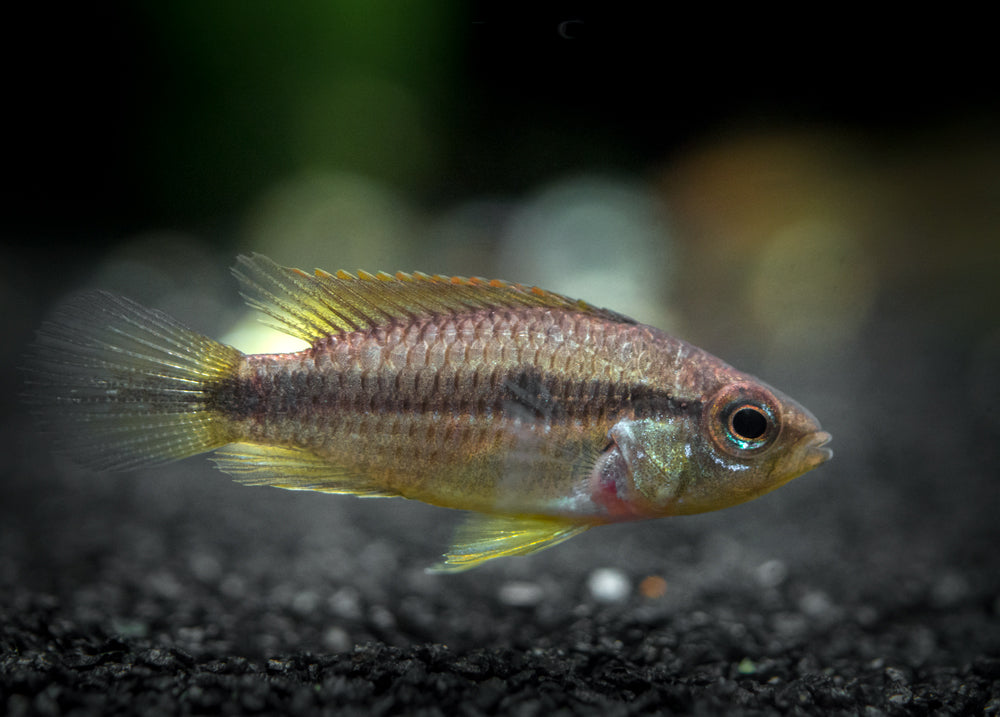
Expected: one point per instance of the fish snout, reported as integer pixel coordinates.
(816, 450)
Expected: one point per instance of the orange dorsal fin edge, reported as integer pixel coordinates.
(316, 306)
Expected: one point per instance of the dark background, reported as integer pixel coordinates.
(814, 199)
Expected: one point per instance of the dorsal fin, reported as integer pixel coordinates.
(315, 306)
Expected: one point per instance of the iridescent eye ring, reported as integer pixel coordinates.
(743, 419)
(748, 425)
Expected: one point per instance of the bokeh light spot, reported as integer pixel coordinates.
(333, 220)
(812, 284)
(595, 238)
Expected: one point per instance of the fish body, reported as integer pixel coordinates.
(543, 415)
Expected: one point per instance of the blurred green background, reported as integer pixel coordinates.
(772, 198)
(820, 211)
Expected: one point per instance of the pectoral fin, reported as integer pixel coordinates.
(485, 537)
(293, 469)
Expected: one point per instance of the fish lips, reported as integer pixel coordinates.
(816, 450)
(810, 451)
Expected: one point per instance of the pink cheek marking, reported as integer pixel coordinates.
(609, 488)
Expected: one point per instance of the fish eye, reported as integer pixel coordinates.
(749, 423)
(743, 419)
(747, 426)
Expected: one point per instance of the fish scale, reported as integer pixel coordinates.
(542, 414)
(354, 417)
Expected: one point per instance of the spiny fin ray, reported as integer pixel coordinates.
(314, 307)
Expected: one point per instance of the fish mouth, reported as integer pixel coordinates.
(816, 451)
(808, 453)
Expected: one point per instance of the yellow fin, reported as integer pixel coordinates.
(292, 469)
(485, 537)
(313, 307)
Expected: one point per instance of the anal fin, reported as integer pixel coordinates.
(485, 537)
(292, 469)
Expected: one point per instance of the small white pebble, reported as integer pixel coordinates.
(521, 593)
(166, 584)
(816, 604)
(233, 585)
(336, 639)
(305, 602)
(205, 567)
(382, 617)
(950, 590)
(609, 585)
(771, 574)
(345, 603)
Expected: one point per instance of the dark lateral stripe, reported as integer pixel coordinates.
(553, 397)
(526, 391)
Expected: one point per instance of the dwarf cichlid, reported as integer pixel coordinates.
(542, 414)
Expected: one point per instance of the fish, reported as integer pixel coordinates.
(539, 415)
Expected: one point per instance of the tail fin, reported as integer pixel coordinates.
(124, 386)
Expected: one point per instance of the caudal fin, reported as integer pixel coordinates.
(123, 386)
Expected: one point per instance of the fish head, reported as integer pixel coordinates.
(746, 440)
